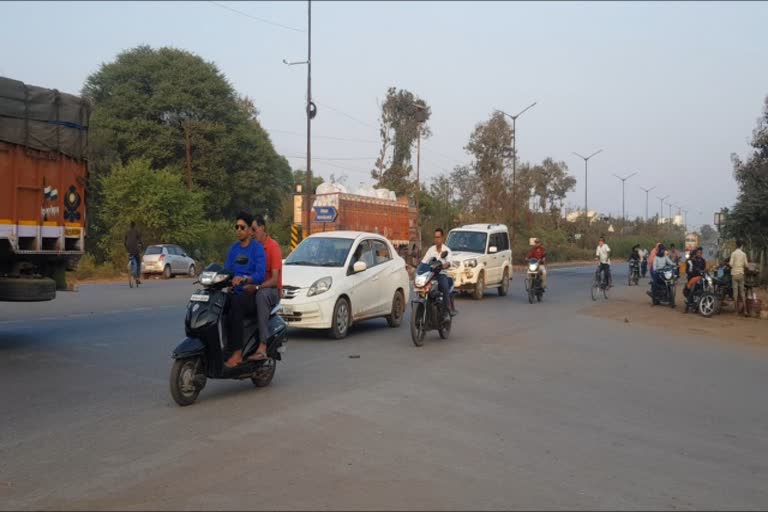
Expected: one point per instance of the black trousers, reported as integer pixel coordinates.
(240, 306)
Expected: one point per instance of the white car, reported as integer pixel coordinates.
(335, 279)
(481, 258)
(168, 260)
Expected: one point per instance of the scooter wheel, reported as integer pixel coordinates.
(263, 376)
(184, 390)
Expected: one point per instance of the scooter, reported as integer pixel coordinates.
(663, 291)
(533, 281)
(429, 312)
(201, 355)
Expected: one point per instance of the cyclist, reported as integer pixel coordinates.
(603, 255)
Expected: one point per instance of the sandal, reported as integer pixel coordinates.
(257, 356)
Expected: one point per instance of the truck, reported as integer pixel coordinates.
(337, 211)
(43, 183)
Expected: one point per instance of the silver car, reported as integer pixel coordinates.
(167, 259)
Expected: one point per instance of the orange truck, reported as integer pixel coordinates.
(338, 211)
(43, 176)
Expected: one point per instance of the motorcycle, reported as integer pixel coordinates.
(533, 281)
(201, 355)
(663, 291)
(702, 297)
(428, 310)
(634, 272)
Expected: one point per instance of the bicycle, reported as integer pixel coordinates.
(132, 273)
(600, 283)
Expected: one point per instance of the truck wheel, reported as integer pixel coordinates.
(479, 290)
(19, 289)
(504, 288)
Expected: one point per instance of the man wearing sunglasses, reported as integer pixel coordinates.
(246, 260)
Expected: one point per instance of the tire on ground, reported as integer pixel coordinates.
(27, 289)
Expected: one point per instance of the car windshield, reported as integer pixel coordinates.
(321, 252)
(154, 249)
(467, 241)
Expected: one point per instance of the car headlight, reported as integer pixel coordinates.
(471, 263)
(322, 285)
(421, 280)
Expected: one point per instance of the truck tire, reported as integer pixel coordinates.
(17, 289)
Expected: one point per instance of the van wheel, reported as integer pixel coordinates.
(479, 290)
(395, 318)
(341, 319)
(167, 272)
(504, 288)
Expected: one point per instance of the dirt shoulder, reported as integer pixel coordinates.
(632, 306)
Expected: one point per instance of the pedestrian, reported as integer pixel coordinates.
(738, 264)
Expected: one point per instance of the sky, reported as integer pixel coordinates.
(667, 89)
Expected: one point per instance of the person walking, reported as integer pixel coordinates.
(738, 264)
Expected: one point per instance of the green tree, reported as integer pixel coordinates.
(403, 116)
(488, 146)
(147, 100)
(299, 177)
(157, 200)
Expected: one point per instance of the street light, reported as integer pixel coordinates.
(586, 159)
(514, 164)
(646, 190)
(661, 206)
(311, 113)
(623, 181)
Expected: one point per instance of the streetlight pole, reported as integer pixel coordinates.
(514, 164)
(646, 190)
(311, 113)
(586, 209)
(661, 206)
(623, 181)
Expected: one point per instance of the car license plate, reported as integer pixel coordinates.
(199, 297)
(287, 310)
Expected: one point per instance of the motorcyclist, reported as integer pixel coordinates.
(660, 261)
(443, 281)
(603, 255)
(696, 268)
(537, 252)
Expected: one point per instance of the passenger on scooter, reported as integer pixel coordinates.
(269, 292)
(538, 252)
(246, 261)
(443, 281)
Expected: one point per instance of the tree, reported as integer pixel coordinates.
(748, 219)
(299, 178)
(146, 101)
(489, 145)
(549, 182)
(157, 200)
(403, 116)
(708, 234)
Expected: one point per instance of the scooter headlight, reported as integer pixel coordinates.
(421, 280)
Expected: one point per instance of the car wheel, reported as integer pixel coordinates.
(395, 318)
(191, 271)
(479, 290)
(167, 272)
(341, 319)
(504, 288)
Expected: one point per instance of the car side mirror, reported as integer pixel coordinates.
(359, 266)
(493, 249)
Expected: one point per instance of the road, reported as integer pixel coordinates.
(525, 406)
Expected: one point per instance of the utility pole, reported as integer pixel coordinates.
(421, 117)
(586, 209)
(311, 113)
(661, 206)
(646, 190)
(623, 181)
(514, 165)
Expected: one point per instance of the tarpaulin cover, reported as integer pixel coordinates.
(43, 119)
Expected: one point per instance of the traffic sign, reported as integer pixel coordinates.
(325, 213)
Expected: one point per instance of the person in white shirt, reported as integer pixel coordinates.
(603, 254)
(443, 281)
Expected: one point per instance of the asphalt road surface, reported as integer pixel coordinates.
(524, 406)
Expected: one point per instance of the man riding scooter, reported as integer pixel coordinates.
(443, 281)
(537, 252)
(247, 262)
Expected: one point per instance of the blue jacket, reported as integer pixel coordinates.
(253, 262)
